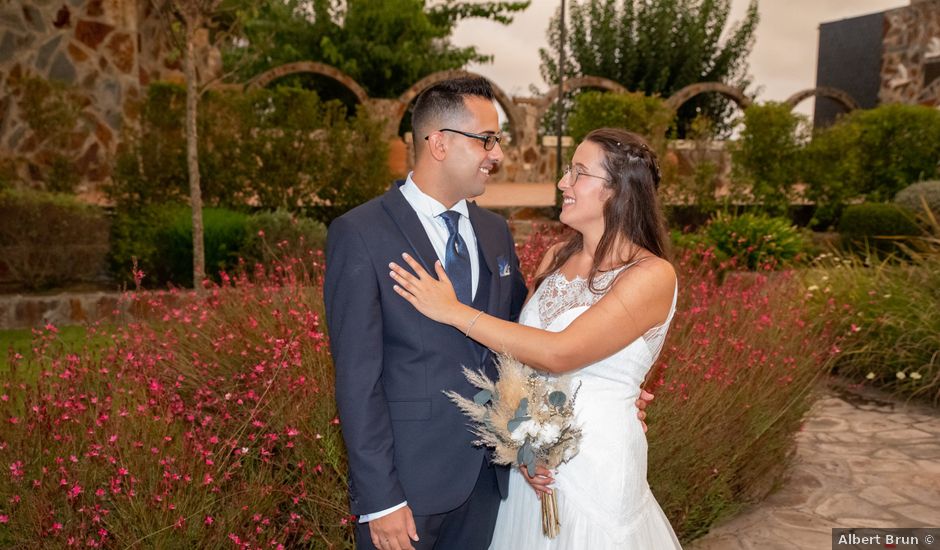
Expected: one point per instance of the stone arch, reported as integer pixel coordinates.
(265, 78)
(577, 83)
(512, 111)
(836, 94)
(679, 98)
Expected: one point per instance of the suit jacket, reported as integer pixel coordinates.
(405, 440)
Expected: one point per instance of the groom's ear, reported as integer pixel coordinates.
(437, 145)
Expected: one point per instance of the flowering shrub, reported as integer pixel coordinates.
(750, 241)
(206, 423)
(210, 422)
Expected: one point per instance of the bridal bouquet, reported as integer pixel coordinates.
(527, 419)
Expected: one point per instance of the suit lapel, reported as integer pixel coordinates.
(489, 241)
(407, 219)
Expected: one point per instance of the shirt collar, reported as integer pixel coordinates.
(427, 205)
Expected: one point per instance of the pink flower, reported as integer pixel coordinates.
(208, 520)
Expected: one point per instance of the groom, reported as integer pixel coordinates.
(416, 480)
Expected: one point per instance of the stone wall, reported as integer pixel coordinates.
(24, 311)
(910, 65)
(89, 45)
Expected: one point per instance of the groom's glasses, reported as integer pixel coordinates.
(489, 140)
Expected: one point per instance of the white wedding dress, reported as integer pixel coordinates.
(604, 500)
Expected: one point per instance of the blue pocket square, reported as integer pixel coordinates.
(504, 268)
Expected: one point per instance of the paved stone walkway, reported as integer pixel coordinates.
(860, 462)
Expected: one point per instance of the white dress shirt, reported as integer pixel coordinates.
(429, 212)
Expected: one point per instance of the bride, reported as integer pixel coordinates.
(602, 304)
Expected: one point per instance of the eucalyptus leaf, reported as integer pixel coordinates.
(530, 466)
(523, 408)
(526, 454)
(483, 397)
(557, 399)
(515, 422)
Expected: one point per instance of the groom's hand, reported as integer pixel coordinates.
(641, 403)
(394, 531)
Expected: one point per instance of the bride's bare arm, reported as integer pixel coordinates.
(639, 300)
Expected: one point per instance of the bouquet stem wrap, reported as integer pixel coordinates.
(551, 524)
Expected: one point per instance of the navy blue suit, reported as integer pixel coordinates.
(405, 440)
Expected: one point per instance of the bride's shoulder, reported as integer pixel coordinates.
(649, 271)
(549, 257)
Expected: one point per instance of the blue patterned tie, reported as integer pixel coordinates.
(457, 258)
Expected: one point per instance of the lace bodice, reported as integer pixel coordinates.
(556, 297)
(558, 294)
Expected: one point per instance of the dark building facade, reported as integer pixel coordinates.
(887, 57)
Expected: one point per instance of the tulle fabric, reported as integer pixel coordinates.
(603, 497)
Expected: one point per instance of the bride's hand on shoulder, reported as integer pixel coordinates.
(435, 298)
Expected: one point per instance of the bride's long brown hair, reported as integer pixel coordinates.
(633, 211)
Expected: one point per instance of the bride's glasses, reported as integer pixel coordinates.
(569, 170)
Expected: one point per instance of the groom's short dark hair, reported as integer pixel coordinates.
(446, 98)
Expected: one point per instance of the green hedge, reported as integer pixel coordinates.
(160, 239)
(876, 226)
(48, 240)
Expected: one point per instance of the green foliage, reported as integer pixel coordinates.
(150, 168)
(280, 235)
(876, 225)
(385, 45)
(751, 241)
(656, 48)
(766, 159)
(872, 154)
(49, 239)
(160, 240)
(281, 148)
(645, 115)
(892, 323)
(914, 196)
(876, 219)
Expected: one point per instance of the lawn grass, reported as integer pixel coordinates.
(22, 341)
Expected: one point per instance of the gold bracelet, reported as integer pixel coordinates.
(467, 334)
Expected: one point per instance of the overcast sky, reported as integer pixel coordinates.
(783, 60)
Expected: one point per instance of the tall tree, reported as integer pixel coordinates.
(656, 47)
(385, 45)
(183, 23)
